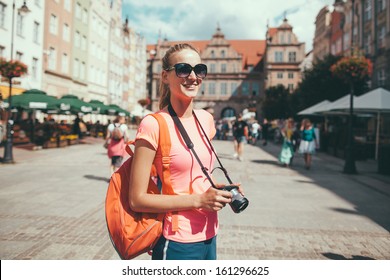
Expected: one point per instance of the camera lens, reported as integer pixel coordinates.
(239, 203)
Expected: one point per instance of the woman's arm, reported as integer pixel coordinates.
(141, 201)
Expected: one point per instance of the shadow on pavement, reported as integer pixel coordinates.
(93, 177)
(368, 192)
(333, 256)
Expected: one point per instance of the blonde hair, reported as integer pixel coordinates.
(165, 93)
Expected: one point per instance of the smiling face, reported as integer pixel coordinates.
(183, 88)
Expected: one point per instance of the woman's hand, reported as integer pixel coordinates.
(214, 199)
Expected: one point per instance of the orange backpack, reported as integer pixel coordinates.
(134, 233)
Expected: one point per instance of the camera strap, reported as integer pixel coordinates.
(190, 145)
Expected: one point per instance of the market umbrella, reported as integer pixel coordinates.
(98, 107)
(114, 109)
(72, 104)
(34, 99)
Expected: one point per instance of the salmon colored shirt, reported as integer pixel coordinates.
(186, 174)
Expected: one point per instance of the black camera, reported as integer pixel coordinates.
(239, 202)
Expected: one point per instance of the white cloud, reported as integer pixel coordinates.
(244, 19)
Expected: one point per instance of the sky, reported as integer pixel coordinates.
(238, 19)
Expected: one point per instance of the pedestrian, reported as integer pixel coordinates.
(240, 136)
(264, 130)
(255, 130)
(116, 139)
(195, 205)
(287, 152)
(308, 143)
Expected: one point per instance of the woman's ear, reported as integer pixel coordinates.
(164, 77)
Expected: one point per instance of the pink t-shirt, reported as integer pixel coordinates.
(186, 174)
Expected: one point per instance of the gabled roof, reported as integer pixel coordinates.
(252, 51)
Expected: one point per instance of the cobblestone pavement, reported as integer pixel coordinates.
(52, 207)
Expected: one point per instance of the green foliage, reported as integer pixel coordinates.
(276, 104)
(319, 83)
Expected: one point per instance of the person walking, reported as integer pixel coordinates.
(191, 224)
(255, 130)
(264, 131)
(308, 143)
(116, 139)
(287, 152)
(240, 136)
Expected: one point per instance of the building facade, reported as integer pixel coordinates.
(284, 55)
(359, 27)
(235, 79)
(27, 39)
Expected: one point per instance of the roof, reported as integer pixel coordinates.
(252, 51)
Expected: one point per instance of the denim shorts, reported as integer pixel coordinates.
(172, 250)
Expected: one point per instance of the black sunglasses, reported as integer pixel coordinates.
(183, 70)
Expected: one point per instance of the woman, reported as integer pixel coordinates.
(287, 152)
(116, 139)
(308, 143)
(196, 203)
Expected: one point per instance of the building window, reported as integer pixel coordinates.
(67, 5)
(382, 37)
(291, 75)
(76, 68)
(78, 11)
(279, 75)
(65, 64)
(292, 57)
(245, 88)
(290, 87)
(85, 16)
(20, 25)
(212, 68)
(223, 53)
(224, 89)
(84, 43)
(53, 24)
(2, 48)
(255, 89)
(281, 38)
(52, 59)
(278, 56)
(381, 5)
(223, 68)
(367, 10)
(212, 54)
(2, 14)
(77, 39)
(34, 68)
(347, 41)
(36, 32)
(381, 76)
(82, 70)
(367, 44)
(19, 56)
(66, 33)
(211, 88)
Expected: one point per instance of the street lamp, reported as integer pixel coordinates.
(349, 165)
(8, 157)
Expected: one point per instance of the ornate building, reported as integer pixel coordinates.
(235, 79)
(359, 26)
(284, 56)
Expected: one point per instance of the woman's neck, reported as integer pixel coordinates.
(182, 109)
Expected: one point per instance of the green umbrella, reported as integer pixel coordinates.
(72, 104)
(98, 107)
(114, 109)
(34, 99)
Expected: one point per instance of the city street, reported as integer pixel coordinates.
(52, 206)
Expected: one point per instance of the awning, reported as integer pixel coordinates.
(4, 90)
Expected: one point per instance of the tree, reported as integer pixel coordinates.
(276, 104)
(320, 83)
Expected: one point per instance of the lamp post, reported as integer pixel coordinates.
(8, 156)
(349, 166)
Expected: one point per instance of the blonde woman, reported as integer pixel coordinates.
(196, 203)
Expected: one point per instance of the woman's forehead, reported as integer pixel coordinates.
(186, 55)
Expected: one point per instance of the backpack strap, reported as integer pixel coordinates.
(165, 147)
